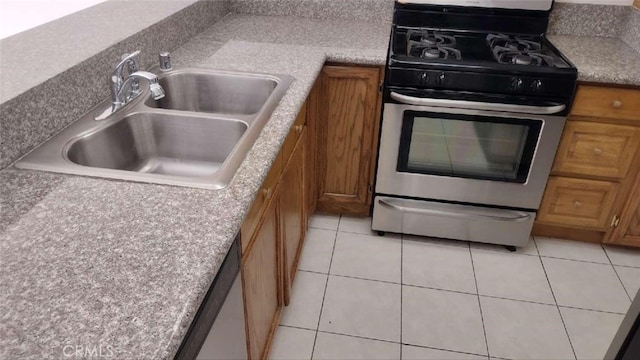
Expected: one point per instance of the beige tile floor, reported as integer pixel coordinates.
(361, 296)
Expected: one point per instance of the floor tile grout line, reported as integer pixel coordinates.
(592, 310)
(518, 300)
(621, 282)
(443, 349)
(394, 342)
(324, 294)
(361, 278)
(319, 228)
(298, 327)
(588, 261)
(499, 251)
(535, 245)
(358, 337)
(626, 266)
(564, 325)
(575, 260)
(616, 272)
(461, 292)
(475, 279)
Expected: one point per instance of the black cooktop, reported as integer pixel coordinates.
(429, 47)
(456, 48)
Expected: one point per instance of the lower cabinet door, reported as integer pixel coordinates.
(260, 274)
(626, 230)
(292, 213)
(346, 125)
(578, 202)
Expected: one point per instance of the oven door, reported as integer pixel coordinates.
(473, 153)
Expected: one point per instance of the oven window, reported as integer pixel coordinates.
(477, 147)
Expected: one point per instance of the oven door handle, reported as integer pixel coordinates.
(477, 105)
(518, 216)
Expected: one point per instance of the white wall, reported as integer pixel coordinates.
(20, 15)
(605, 2)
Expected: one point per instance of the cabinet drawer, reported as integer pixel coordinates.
(294, 134)
(577, 202)
(596, 101)
(265, 194)
(597, 149)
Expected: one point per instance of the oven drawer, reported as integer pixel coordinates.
(595, 101)
(595, 149)
(577, 202)
(452, 221)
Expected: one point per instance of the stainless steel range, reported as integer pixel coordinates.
(475, 100)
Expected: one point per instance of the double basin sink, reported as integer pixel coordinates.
(196, 136)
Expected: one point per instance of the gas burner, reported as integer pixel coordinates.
(512, 43)
(428, 52)
(521, 58)
(430, 37)
(429, 44)
(517, 51)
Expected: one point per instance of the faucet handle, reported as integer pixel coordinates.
(126, 59)
(130, 61)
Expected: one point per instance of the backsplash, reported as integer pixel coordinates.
(587, 19)
(35, 115)
(364, 10)
(631, 32)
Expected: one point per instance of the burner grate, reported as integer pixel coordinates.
(428, 44)
(518, 51)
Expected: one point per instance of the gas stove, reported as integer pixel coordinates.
(475, 100)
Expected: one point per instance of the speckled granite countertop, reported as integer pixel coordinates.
(122, 266)
(611, 61)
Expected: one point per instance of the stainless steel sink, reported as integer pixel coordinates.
(197, 137)
(160, 143)
(222, 93)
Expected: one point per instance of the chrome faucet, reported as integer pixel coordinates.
(126, 89)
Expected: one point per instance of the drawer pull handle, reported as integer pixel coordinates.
(266, 193)
(597, 151)
(577, 204)
(617, 104)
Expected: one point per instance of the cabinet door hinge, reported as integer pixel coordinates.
(616, 221)
(370, 188)
(380, 85)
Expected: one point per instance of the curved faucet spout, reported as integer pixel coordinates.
(129, 89)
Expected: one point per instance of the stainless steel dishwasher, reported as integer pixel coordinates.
(217, 331)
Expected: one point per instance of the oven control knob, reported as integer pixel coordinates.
(537, 86)
(516, 84)
(424, 78)
(442, 79)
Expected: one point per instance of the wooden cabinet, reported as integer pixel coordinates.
(595, 149)
(578, 202)
(606, 102)
(261, 284)
(347, 111)
(293, 214)
(627, 231)
(272, 237)
(311, 170)
(590, 193)
(260, 203)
